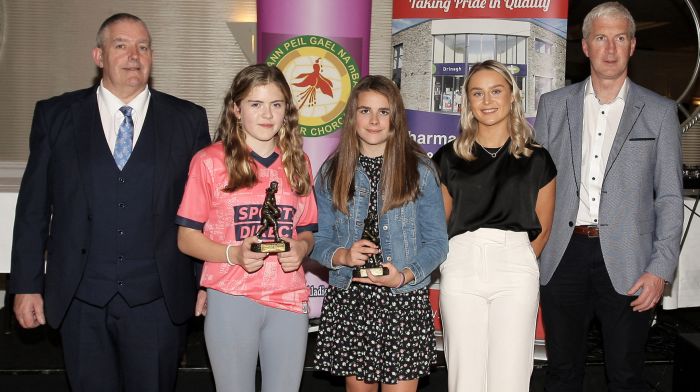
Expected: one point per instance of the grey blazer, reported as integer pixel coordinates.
(641, 206)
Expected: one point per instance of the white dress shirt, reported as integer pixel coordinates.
(112, 117)
(600, 123)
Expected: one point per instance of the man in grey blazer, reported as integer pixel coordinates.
(619, 210)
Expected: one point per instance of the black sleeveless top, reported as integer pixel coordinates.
(494, 192)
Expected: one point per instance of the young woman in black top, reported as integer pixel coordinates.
(499, 189)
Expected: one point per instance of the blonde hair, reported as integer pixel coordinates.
(521, 133)
(239, 162)
(611, 9)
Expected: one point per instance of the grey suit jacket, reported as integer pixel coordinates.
(641, 206)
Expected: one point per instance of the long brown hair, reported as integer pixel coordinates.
(239, 162)
(521, 134)
(399, 177)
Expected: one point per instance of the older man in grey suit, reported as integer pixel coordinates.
(619, 211)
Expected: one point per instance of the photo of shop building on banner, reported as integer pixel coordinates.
(441, 52)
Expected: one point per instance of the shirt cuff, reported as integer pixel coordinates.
(312, 228)
(189, 223)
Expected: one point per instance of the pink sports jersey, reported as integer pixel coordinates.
(230, 217)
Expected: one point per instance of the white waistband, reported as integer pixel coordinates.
(494, 235)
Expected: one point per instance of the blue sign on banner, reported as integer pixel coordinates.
(515, 69)
(460, 69)
(449, 69)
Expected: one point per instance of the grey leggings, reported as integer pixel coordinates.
(237, 329)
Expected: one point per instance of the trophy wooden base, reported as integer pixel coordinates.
(376, 271)
(270, 247)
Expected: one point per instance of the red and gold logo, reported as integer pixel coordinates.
(321, 74)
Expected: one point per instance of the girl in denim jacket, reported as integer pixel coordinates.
(378, 329)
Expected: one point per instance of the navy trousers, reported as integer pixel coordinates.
(579, 291)
(121, 348)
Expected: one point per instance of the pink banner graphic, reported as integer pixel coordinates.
(322, 47)
(510, 9)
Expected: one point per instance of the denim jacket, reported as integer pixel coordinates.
(412, 236)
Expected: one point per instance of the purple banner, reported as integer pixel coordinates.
(322, 47)
(515, 69)
(345, 22)
(432, 130)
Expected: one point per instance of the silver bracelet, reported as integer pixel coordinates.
(228, 258)
(403, 280)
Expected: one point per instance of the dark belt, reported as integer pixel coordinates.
(589, 231)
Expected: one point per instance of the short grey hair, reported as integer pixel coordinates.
(114, 19)
(611, 9)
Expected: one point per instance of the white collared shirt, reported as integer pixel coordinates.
(112, 117)
(600, 123)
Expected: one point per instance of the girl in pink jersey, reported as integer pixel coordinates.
(255, 303)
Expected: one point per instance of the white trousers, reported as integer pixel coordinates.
(489, 288)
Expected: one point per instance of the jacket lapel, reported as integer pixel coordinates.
(155, 122)
(633, 107)
(574, 112)
(86, 115)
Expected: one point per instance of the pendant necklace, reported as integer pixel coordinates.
(493, 154)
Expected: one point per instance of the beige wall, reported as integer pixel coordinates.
(45, 51)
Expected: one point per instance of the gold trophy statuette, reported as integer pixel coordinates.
(268, 218)
(372, 265)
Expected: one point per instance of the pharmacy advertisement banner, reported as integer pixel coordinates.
(435, 42)
(322, 47)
